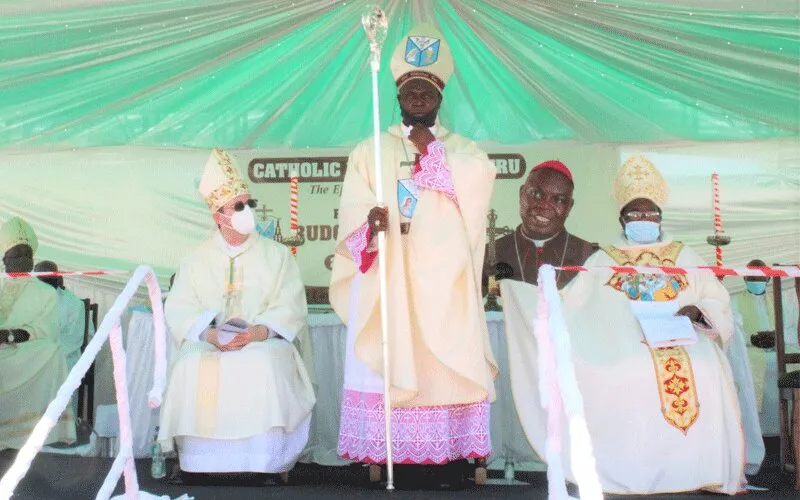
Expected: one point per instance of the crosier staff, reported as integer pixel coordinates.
(376, 25)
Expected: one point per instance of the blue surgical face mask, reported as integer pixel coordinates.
(642, 232)
(756, 287)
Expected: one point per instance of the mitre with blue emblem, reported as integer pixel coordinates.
(422, 54)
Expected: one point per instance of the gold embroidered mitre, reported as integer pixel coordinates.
(639, 178)
(422, 54)
(221, 181)
(15, 232)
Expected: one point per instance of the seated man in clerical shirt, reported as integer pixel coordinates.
(32, 366)
(545, 202)
(239, 397)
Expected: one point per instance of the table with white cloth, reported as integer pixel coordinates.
(139, 350)
(510, 447)
(328, 338)
(736, 352)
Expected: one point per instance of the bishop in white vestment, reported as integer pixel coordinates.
(661, 420)
(32, 370)
(240, 405)
(437, 187)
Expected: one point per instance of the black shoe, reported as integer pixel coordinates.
(456, 475)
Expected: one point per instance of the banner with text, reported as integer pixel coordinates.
(319, 180)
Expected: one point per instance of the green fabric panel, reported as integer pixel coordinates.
(244, 74)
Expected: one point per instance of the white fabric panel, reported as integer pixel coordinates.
(329, 337)
(329, 340)
(736, 351)
(140, 349)
(509, 443)
(273, 452)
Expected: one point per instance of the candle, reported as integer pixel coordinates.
(717, 215)
(293, 207)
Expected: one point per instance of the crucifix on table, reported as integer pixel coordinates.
(492, 232)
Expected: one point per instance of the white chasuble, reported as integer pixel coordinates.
(31, 372)
(246, 410)
(442, 368)
(660, 420)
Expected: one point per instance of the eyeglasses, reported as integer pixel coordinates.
(239, 206)
(637, 215)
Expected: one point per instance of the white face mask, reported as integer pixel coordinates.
(244, 222)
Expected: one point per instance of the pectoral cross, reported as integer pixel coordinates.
(263, 212)
(232, 288)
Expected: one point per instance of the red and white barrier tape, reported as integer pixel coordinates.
(760, 271)
(59, 273)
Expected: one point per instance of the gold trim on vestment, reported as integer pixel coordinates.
(207, 393)
(677, 390)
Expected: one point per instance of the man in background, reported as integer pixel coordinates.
(545, 202)
(32, 364)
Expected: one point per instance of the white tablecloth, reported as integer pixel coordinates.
(328, 337)
(139, 348)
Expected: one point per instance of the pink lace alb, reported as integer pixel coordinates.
(421, 435)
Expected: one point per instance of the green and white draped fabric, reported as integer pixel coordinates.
(268, 73)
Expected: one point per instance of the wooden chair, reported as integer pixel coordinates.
(788, 385)
(86, 389)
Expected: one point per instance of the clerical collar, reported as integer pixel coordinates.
(538, 243)
(231, 250)
(407, 130)
(234, 250)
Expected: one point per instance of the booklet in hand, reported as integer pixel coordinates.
(661, 327)
(230, 329)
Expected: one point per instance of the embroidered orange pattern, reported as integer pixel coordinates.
(677, 390)
(673, 367)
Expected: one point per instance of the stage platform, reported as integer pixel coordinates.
(56, 477)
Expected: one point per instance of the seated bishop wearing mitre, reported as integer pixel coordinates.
(32, 365)
(641, 391)
(239, 397)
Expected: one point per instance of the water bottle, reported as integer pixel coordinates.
(157, 468)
